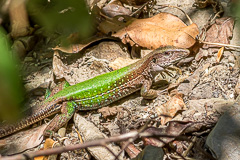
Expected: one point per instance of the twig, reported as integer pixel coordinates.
(100, 142)
(189, 147)
(220, 44)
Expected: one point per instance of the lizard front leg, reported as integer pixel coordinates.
(67, 111)
(146, 92)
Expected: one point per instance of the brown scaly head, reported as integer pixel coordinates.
(166, 56)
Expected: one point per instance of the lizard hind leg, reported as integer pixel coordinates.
(67, 111)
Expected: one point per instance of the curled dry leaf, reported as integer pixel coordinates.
(160, 30)
(220, 53)
(168, 110)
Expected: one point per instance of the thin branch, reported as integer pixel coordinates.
(100, 142)
(220, 44)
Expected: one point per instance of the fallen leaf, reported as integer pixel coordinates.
(168, 110)
(166, 133)
(220, 32)
(115, 8)
(75, 48)
(22, 141)
(109, 111)
(134, 2)
(110, 26)
(47, 145)
(160, 30)
(219, 54)
(58, 66)
(131, 150)
(121, 62)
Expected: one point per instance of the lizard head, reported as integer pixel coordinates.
(166, 56)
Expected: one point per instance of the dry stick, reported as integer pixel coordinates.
(130, 140)
(100, 142)
(190, 146)
(220, 44)
(140, 8)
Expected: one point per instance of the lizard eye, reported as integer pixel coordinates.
(154, 60)
(167, 53)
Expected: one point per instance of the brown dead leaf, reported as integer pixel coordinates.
(115, 8)
(220, 32)
(219, 55)
(58, 66)
(134, 2)
(166, 133)
(131, 150)
(22, 140)
(115, 24)
(160, 30)
(75, 48)
(121, 62)
(109, 111)
(168, 110)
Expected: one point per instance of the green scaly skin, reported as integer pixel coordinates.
(100, 91)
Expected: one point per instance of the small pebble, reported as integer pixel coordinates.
(231, 59)
(231, 95)
(152, 116)
(62, 132)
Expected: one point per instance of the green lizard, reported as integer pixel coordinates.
(100, 90)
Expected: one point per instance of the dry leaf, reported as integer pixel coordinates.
(131, 150)
(220, 53)
(220, 32)
(168, 110)
(75, 48)
(22, 140)
(115, 8)
(109, 111)
(115, 24)
(121, 62)
(160, 30)
(58, 66)
(47, 145)
(134, 2)
(174, 129)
